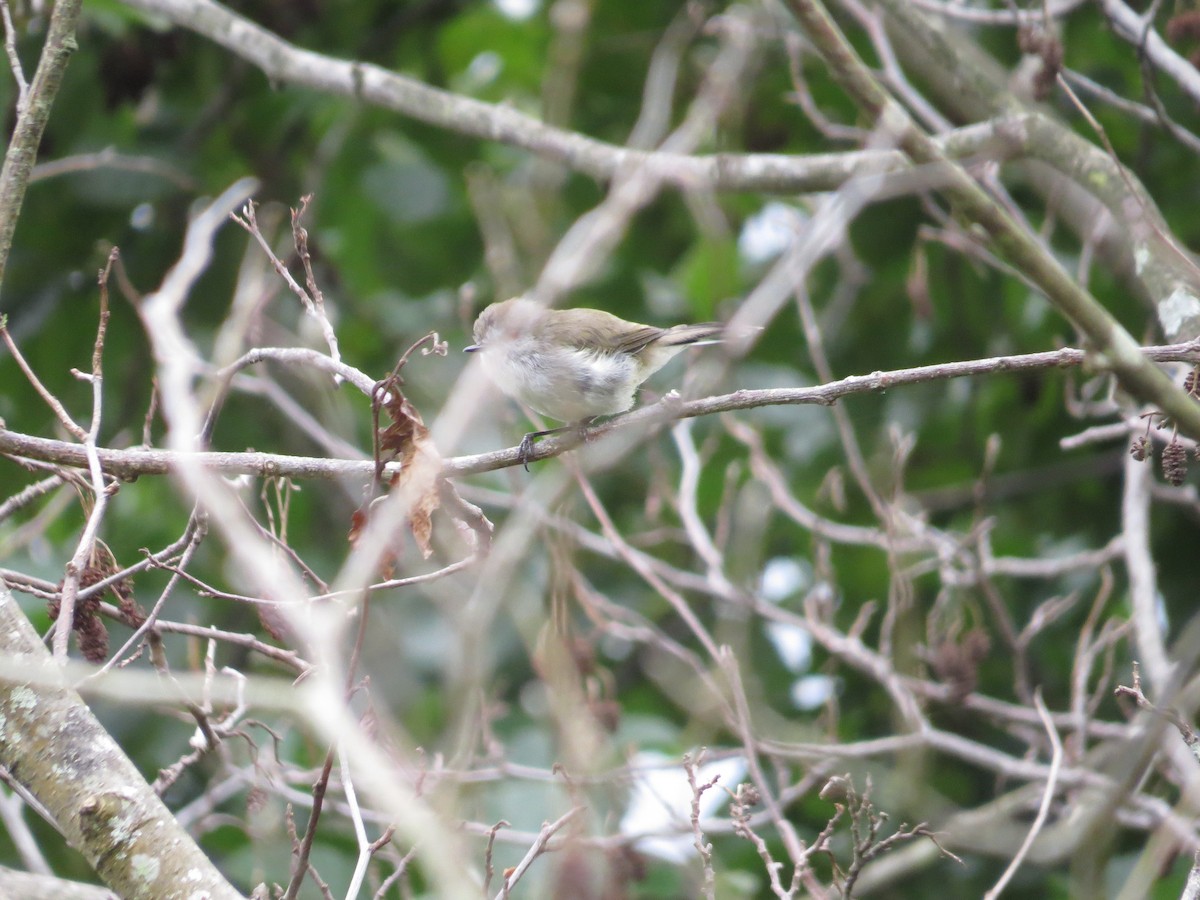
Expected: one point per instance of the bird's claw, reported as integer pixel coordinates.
(525, 450)
(585, 429)
(580, 429)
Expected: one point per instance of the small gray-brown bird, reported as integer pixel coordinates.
(575, 364)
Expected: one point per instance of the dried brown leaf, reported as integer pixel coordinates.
(405, 440)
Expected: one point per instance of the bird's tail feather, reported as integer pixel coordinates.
(704, 333)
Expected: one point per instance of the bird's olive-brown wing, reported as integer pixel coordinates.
(596, 331)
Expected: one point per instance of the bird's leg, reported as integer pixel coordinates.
(525, 448)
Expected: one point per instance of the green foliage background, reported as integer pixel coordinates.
(396, 240)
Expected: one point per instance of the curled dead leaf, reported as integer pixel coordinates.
(404, 440)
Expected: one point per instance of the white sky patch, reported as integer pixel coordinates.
(768, 232)
(782, 576)
(615, 647)
(662, 801)
(484, 68)
(793, 644)
(1177, 309)
(517, 10)
(142, 217)
(812, 691)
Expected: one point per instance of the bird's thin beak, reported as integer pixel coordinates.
(472, 348)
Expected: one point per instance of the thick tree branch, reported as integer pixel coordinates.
(32, 116)
(1114, 344)
(285, 63)
(29, 886)
(1138, 245)
(53, 745)
(979, 90)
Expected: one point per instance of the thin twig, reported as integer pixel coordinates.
(14, 60)
(1056, 755)
(539, 847)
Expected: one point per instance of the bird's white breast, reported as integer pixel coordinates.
(565, 384)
